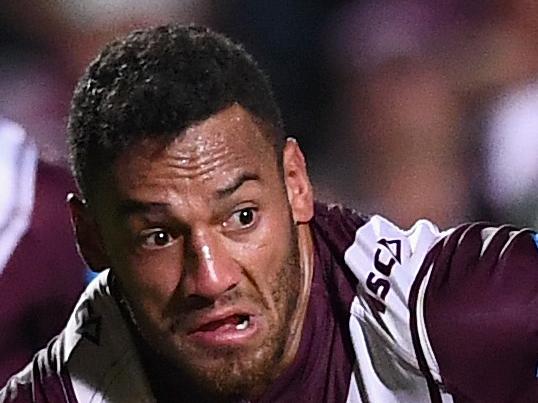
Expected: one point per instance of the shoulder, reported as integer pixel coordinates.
(49, 376)
(57, 372)
(44, 379)
(459, 304)
(480, 312)
(336, 224)
(334, 228)
(386, 259)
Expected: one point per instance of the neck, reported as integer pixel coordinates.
(306, 255)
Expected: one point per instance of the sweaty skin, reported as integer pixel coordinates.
(210, 244)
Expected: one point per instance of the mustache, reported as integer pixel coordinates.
(185, 308)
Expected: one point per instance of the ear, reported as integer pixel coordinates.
(90, 245)
(298, 187)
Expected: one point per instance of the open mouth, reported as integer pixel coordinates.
(231, 329)
(237, 322)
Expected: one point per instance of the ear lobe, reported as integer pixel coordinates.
(90, 245)
(298, 187)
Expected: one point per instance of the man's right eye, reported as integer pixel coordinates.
(155, 238)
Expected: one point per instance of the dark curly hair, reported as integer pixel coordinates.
(157, 82)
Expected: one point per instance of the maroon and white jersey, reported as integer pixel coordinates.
(444, 316)
(394, 316)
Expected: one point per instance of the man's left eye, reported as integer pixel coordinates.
(241, 219)
(155, 238)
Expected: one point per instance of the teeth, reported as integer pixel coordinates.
(243, 325)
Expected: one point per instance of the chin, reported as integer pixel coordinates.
(234, 377)
(224, 373)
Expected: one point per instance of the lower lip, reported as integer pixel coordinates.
(226, 335)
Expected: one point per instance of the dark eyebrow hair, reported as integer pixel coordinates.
(131, 207)
(236, 184)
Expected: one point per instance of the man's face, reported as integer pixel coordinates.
(200, 236)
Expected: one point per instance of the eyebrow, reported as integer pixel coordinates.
(236, 184)
(130, 207)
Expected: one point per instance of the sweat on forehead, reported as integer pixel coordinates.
(228, 145)
(154, 84)
(229, 139)
(217, 138)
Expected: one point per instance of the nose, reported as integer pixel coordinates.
(211, 271)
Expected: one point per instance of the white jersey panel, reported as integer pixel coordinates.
(386, 259)
(381, 375)
(99, 352)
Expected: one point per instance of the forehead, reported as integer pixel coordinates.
(213, 151)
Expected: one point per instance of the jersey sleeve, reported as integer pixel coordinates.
(386, 261)
(478, 303)
(43, 380)
(461, 306)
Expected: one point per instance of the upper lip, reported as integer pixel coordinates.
(214, 316)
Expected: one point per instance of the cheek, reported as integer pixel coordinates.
(264, 254)
(150, 279)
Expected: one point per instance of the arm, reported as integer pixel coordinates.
(480, 311)
(460, 306)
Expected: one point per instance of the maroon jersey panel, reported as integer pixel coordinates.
(481, 311)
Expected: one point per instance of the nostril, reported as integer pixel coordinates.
(231, 287)
(195, 302)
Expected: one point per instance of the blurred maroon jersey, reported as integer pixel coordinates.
(43, 276)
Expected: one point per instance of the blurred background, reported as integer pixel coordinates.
(408, 108)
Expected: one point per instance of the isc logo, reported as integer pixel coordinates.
(387, 255)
